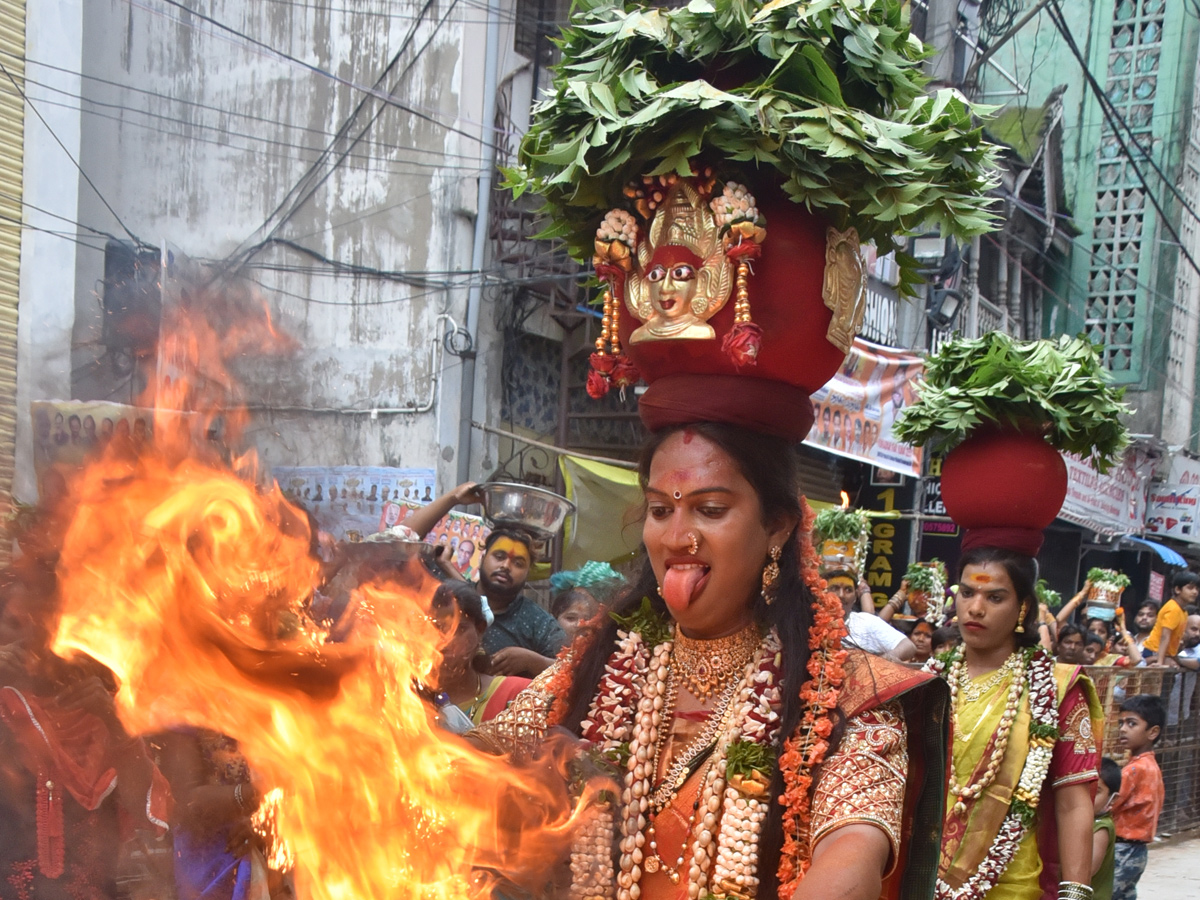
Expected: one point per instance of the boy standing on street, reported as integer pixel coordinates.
(1136, 810)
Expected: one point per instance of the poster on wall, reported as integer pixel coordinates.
(348, 501)
(69, 433)
(1171, 508)
(855, 411)
(461, 534)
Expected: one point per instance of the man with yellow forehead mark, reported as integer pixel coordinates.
(524, 638)
(866, 630)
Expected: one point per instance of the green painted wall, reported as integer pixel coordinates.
(1118, 282)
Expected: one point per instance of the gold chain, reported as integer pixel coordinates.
(971, 692)
(706, 667)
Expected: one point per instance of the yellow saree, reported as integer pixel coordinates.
(967, 836)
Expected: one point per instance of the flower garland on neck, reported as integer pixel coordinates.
(1035, 669)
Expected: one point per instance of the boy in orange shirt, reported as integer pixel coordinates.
(1164, 640)
(1137, 807)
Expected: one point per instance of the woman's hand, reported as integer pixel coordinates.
(847, 864)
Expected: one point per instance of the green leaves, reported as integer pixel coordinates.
(647, 622)
(1108, 576)
(840, 525)
(745, 758)
(828, 93)
(1057, 386)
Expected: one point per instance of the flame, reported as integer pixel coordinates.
(845, 500)
(191, 584)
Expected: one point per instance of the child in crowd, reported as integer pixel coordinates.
(1104, 831)
(1094, 647)
(945, 638)
(1137, 807)
(572, 608)
(1167, 633)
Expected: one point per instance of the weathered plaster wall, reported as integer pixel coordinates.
(195, 135)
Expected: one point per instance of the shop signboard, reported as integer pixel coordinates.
(888, 551)
(856, 409)
(1110, 503)
(1171, 508)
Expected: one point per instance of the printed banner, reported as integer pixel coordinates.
(855, 411)
(461, 534)
(348, 501)
(69, 433)
(1113, 503)
(1171, 508)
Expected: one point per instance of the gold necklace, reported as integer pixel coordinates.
(706, 666)
(971, 692)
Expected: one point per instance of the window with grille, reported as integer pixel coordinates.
(1121, 257)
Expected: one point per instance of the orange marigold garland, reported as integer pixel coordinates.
(558, 685)
(804, 751)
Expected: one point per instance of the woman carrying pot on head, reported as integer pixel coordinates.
(755, 756)
(1025, 751)
(1025, 756)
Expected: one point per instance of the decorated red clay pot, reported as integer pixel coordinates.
(1003, 477)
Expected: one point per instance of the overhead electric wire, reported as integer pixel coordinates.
(71, 157)
(220, 110)
(345, 82)
(369, 162)
(309, 182)
(1113, 115)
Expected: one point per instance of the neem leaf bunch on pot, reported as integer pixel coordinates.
(841, 537)
(827, 100)
(1005, 409)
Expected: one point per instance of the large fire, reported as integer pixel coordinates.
(191, 584)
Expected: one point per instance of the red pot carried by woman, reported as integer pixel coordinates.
(1006, 478)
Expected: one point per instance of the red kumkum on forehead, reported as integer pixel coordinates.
(980, 579)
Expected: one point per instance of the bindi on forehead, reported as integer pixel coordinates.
(982, 579)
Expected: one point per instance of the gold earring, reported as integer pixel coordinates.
(1021, 620)
(770, 575)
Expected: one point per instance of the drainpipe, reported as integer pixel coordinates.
(483, 208)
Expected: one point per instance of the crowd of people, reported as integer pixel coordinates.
(80, 794)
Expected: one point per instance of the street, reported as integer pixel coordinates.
(1172, 873)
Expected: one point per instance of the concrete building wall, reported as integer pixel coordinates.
(195, 128)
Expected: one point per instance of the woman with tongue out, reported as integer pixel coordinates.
(758, 758)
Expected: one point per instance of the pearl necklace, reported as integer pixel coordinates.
(957, 678)
(677, 775)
